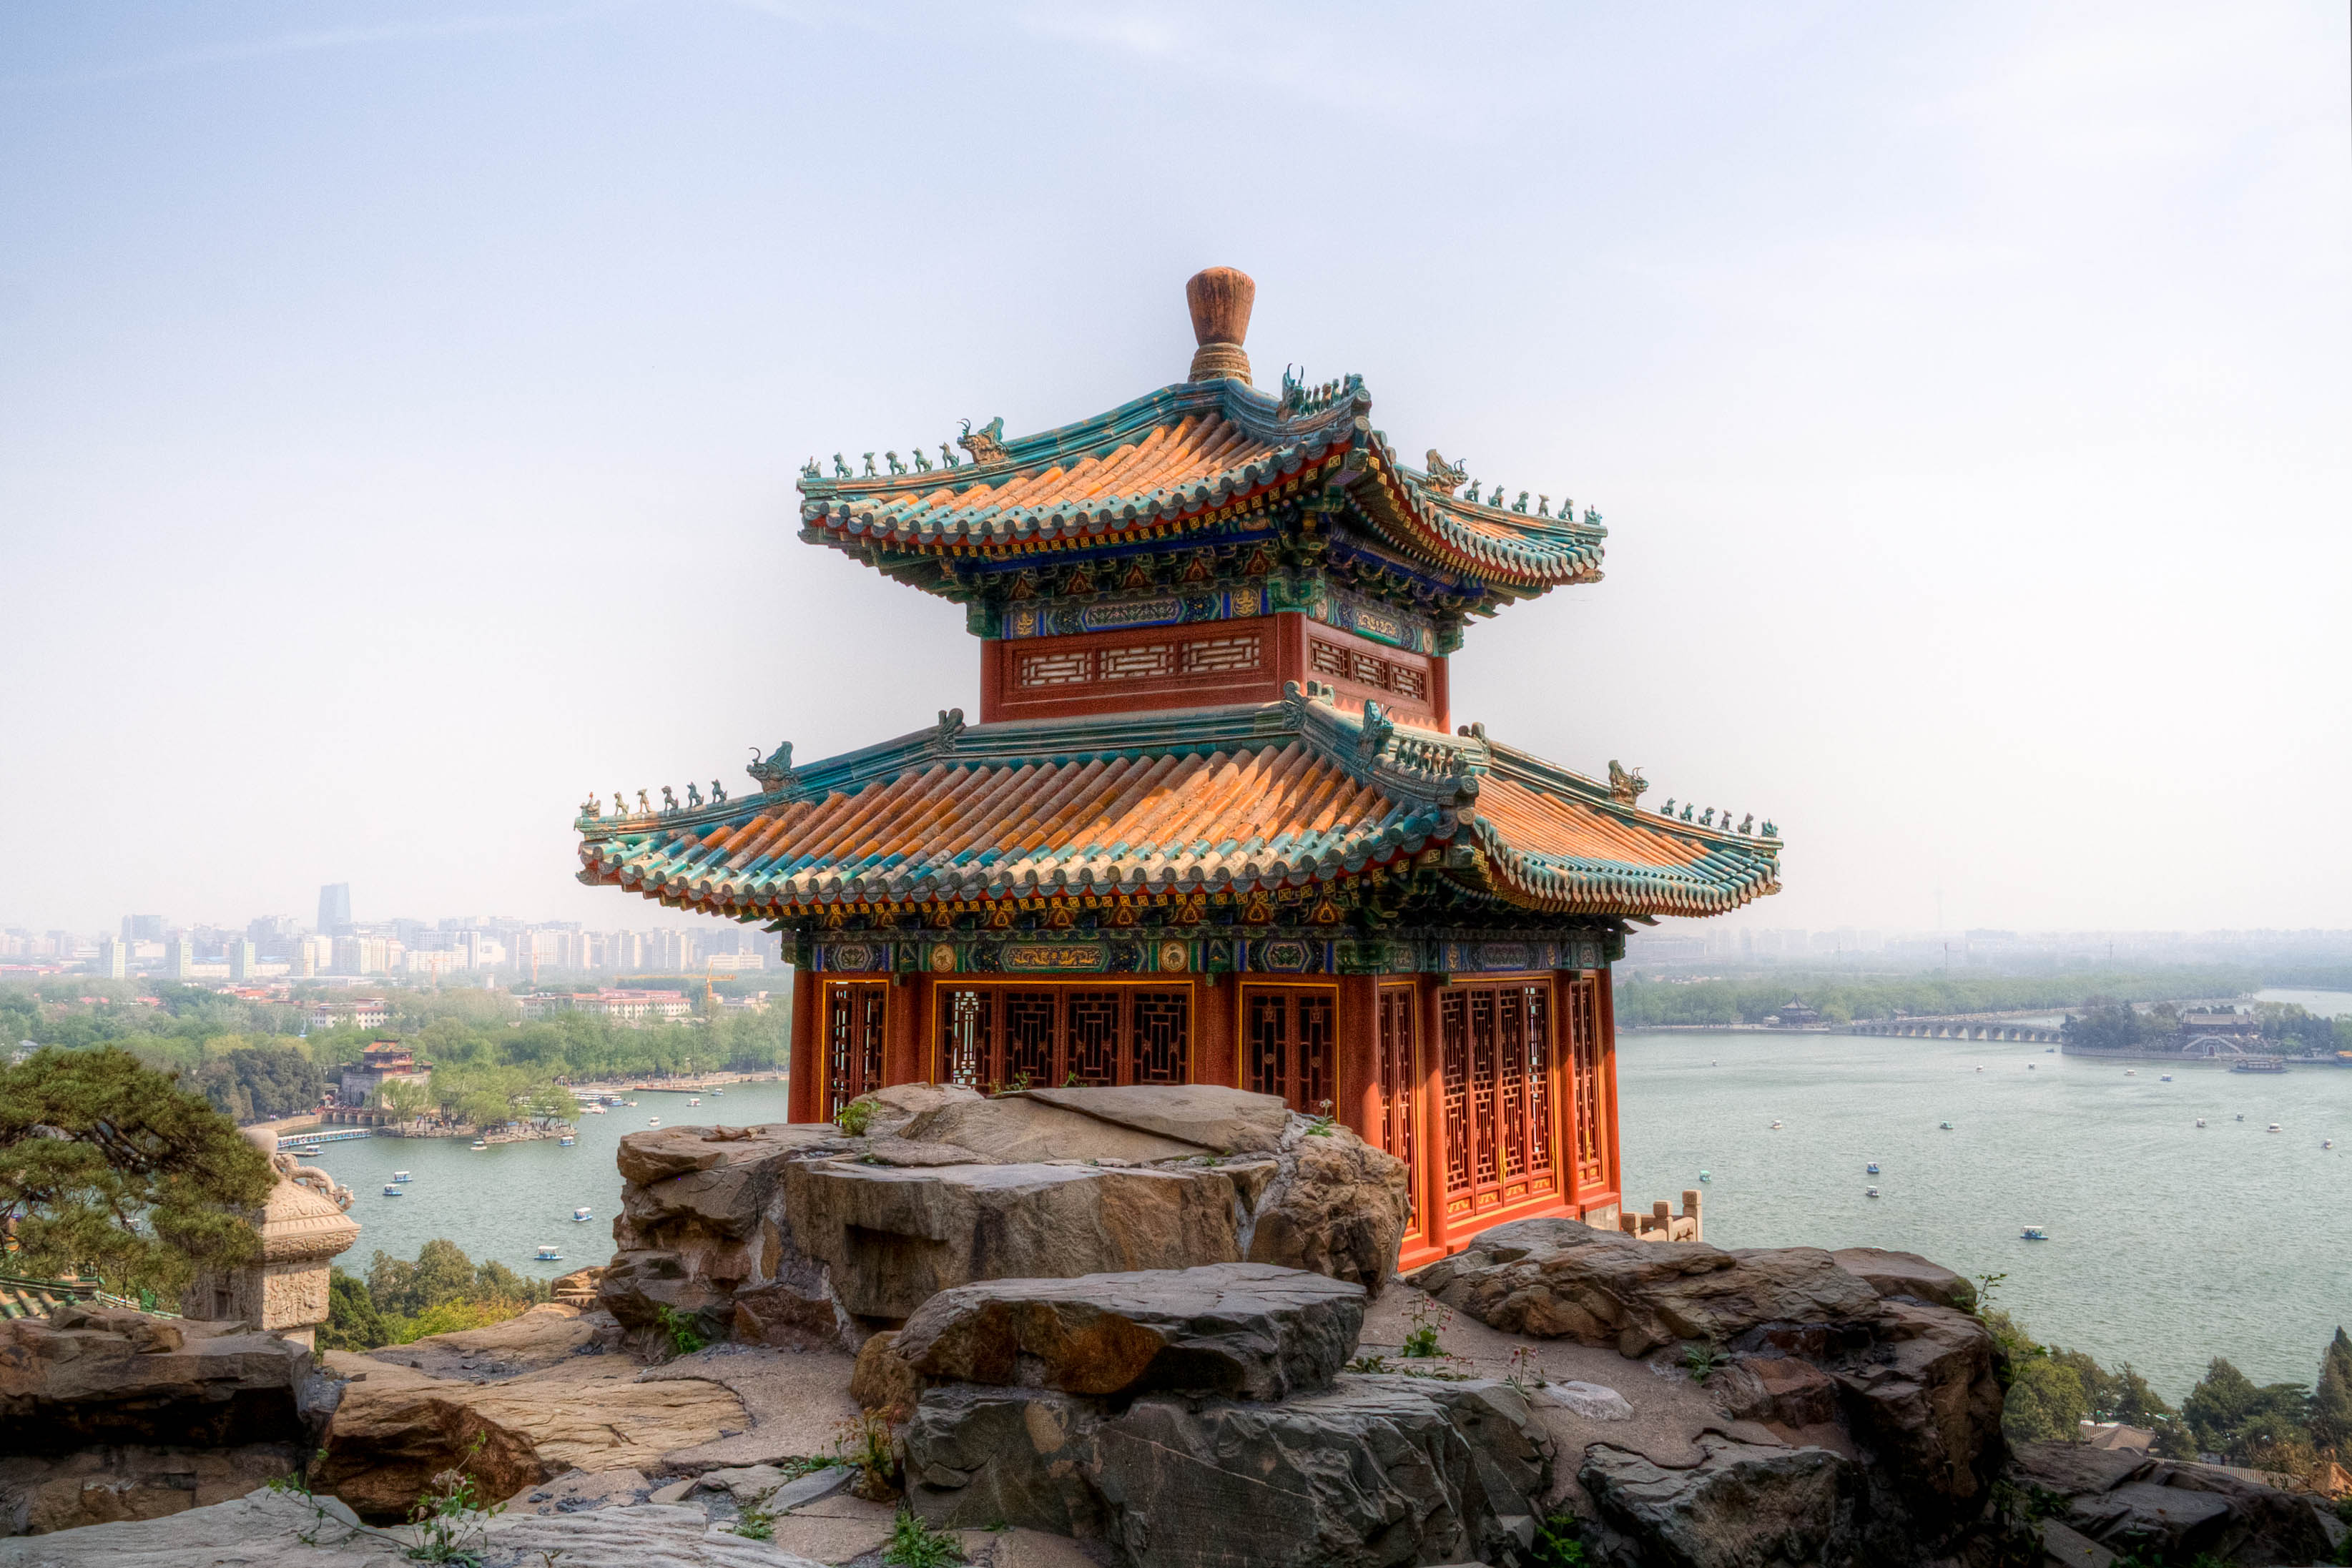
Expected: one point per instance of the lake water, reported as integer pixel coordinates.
(2326, 1003)
(2170, 1244)
(509, 1199)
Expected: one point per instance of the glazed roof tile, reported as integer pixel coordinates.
(1179, 461)
(1216, 800)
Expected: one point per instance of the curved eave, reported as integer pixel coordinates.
(1507, 550)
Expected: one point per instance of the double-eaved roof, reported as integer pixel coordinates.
(1187, 463)
(1241, 800)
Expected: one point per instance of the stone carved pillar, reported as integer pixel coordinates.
(303, 1228)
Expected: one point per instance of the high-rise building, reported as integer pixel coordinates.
(113, 958)
(143, 928)
(335, 909)
(181, 961)
(240, 957)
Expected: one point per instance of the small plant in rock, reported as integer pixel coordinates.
(1557, 1541)
(1371, 1363)
(1319, 1125)
(1704, 1360)
(685, 1335)
(866, 1444)
(854, 1118)
(1421, 1339)
(914, 1544)
(756, 1524)
(799, 1464)
(1986, 1285)
(452, 1520)
(1525, 1372)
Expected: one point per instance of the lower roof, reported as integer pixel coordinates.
(1240, 799)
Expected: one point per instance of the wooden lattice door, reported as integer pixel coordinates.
(1587, 1109)
(854, 1010)
(1288, 1032)
(1038, 1037)
(1400, 1082)
(1497, 1077)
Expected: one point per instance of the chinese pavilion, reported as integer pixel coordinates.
(1215, 823)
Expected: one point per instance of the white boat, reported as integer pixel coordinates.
(595, 1110)
(400, 1176)
(718, 1090)
(479, 1144)
(2200, 1120)
(2326, 1142)
(1706, 1175)
(694, 1099)
(548, 1255)
(2275, 1127)
(653, 1121)
(2131, 1072)
(580, 1215)
(390, 1190)
(1776, 1126)
(1870, 1192)
(2033, 1233)
(567, 1141)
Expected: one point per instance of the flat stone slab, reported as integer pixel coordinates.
(1209, 1116)
(1906, 1274)
(1017, 1128)
(1248, 1331)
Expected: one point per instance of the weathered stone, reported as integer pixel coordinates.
(86, 1376)
(1338, 1207)
(1906, 1274)
(813, 1487)
(1924, 1396)
(1374, 1470)
(668, 1153)
(272, 1530)
(99, 1486)
(2068, 1548)
(1211, 1116)
(882, 1381)
(1589, 1400)
(1248, 1331)
(547, 1335)
(1020, 1129)
(1742, 1506)
(891, 1239)
(1559, 1278)
(575, 1491)
(2176, 1510)
(398, 1428)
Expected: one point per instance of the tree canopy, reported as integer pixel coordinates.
(108, 1164)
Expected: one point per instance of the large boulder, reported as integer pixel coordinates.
(1556, 1279)
(796, 1236)
(398, 1427)
(1374, 1470)
(1250, 1331)
(2174, 1510)
(1742, 1506)
(113, 1414)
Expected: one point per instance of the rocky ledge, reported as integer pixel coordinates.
(792, 1235)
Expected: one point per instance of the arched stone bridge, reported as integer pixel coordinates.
(1959, 1028)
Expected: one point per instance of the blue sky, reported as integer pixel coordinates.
(399, 407)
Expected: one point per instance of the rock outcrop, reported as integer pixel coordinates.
(795, 1236)
(2172, 1511)
(1249, 1331)
(111, 1414)
(1199, 1416)
(1886, 1399)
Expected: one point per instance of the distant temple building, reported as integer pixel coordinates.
(1215, 823)
(383, 1060)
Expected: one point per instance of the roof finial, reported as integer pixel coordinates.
(1219, 298)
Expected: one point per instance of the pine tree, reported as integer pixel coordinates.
(2331, 1399)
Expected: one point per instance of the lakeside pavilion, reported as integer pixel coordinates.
(1216, 824)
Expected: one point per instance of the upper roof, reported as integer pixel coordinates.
(1234, 799)
(1182, 460)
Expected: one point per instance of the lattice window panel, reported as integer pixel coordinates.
(853, 1042)
(1408, 682)
(1539, 1058)
(1584, 1045)
(967, 1031)
(1161, 1038)
(1029, 1032)
(1482, 1085)
(1061, 668)
(1511, 1084)
(1453, 1040)
(1269, 1042)
(1091, 1053)
(1222, 653)
(1496, 1064)
(1137, 664)
(1399, 1077)
(1317, 1076)
(1329, 659)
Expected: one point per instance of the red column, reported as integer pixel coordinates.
(1433, 1100)
(1215, 1060)
(803, 1071)
(903, 1031)
(1605, 1007)
(1356, 1029)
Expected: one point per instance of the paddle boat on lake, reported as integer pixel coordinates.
(2033, 1233)
(479, 1146)
(1870, 1192)
(1943, 1126)
(400, 1176)
(567, 1141)
(1870, 1169)
(548, 1255)
(581, 1216)
(390, 1190)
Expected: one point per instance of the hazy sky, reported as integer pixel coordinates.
(399, 405)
